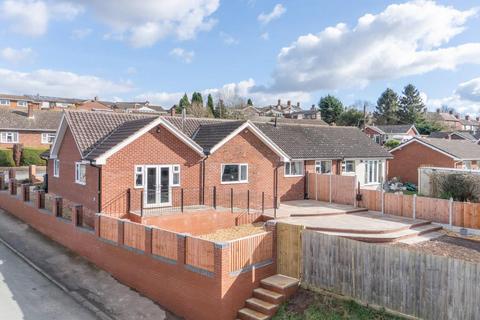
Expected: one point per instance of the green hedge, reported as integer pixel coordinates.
(32, 156)
(6, 158)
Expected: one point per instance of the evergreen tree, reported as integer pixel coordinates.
(211, 106)
(387, 108)
(249, 102)
(183, 103)
(411, 105)
(330, 108)
(221, 110)
(351, 117)
(197, 98)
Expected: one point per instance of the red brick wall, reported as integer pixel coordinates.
(412, 156)
(29, 139)
(65, 185)
(186, 293)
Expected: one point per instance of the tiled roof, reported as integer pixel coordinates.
(18, 120)
(190, 125)
(394, 128)
(461, 149)
(90, 129)
(208, 135)
(13, 97)
(322, 142)
(446, 135)
(441, 116)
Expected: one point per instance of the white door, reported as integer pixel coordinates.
(157, 192)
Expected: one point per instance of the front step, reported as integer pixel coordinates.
(249, 314)
(269, 296)
(262, 306)
(281, 284)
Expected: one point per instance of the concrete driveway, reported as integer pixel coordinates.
(26, 294)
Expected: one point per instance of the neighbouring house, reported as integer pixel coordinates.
(93, 105)
(10, 101)
(383, 133)
(98, 157)
(456, 135)
(446, 119)
(313, 114)
(429, 152)
(137, 107)
(469, 124)
(32, 128)
(281, 110)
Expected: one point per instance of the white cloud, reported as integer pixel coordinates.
(31, 17)
(228, 92)
(182, 54)
(469, 90)
(265, 36)
(228, 39)
(405, 39)
(59, 83)
(143, 23)
(81, 33)
(465, 99)
(276, 13)
(16, 55)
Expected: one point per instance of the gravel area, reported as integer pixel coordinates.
(234, 232)
(450, 245)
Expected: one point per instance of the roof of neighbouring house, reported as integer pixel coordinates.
(457, 149)
(13, 97)
(322, 142)
(19, 120)
(467, 135)
(208, 135)
(441, 116)
(393, 128)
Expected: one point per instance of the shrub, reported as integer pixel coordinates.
(32, 157)
(6, 158)
(459, 186)
(390, 144)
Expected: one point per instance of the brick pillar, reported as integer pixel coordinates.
(97, 225)
(271, 225)
(121, 232)
(40, 199)
(77, 216)
(12, 185)
(148, 240)
(2, 182)
(26, 192)
(32, 172)
(181, 248)
(221, 269)
(12, 174)
(58, 207)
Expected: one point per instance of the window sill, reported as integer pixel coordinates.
(138, 187)
(81, 183)
(234, 182)
(293, 176)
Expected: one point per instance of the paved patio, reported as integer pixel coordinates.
(308, 208)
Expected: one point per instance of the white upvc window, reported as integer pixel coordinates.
(56, 168)
(80, 173)
(9, 137)
(22, 103)
(294, 168)
(48, 137)
(4, 102)
(373, 171)
(348, 166)
(138, 177)
(323, 166)
(234, 173)
(176, 175)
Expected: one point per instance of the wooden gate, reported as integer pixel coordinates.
(289, 249)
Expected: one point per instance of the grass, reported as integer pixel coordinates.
(307, 305)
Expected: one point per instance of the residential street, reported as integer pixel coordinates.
(26, 294)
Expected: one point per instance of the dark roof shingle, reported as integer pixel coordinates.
(18, 120)
(460, 149)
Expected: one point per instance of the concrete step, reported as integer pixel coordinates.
(269, 296)
(249, 314)
(388, 237)
(281, 284)
(261, 306)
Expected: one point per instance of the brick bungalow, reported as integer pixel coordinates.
(32, 128)
(382, 133)
(423, 152)
(98, 156)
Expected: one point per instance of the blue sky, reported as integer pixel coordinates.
(156, 50)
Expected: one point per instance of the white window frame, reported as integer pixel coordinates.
(377, 172)
(46, 136)
(288, 169)
(344, 167)
(138, 170)
(4, 137)
(318, 166)
(56, 168)
(175, 171)
(22, 103)
(4, 102)
(239, 173)
(78, 180)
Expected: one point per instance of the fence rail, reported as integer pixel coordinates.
(408, 281)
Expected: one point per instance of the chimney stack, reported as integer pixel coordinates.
(438, 110)
(457, 116)
(279, 102)
(478, 119)
(467, 117)
(298, 104)
(95, 98)
(313, 107)
(30, 110)
(450, 111)
(173, 110)
(289, 103)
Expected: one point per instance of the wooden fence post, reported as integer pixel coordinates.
(355, 204)
(383, 201)
(121, 232)
(316, 186)
(414, 207)
(450, 211)
(330, 187)
(148, 240)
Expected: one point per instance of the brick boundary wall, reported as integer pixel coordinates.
(186, 292)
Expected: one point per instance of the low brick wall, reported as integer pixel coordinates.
(180, 288)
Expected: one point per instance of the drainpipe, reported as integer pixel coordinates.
(204, 159)
(99, 191)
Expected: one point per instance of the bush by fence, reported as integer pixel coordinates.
(6, 158)
(31, 156)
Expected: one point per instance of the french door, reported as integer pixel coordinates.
(157, 191)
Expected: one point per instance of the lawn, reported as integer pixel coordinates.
(308, 305)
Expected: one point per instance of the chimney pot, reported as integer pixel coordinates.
(279, 102)
(438, 110)
(457, 116)
(95, 98)
(450, 111)
(478, 119)
(289, 103)
(467, 117)
(173, 111)
(298, 104)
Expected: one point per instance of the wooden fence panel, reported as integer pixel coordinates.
(109, 228)
(371, 199)
(164, 244)
(432, 209)
(289, 249)
(200, 253)
(393, 204)
(408, 281)
(250, 250)
(407, 206)
(343, 189)
(134, 235)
